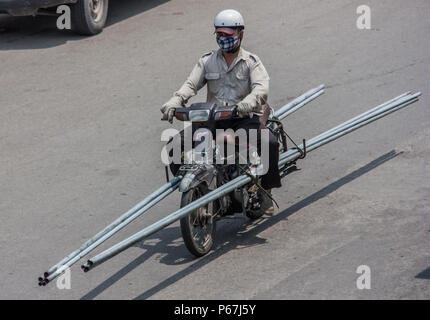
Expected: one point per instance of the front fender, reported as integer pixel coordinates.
(197, 175)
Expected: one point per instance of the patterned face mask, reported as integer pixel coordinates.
(227, 43)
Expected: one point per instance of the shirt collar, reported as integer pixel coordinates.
(240, 56)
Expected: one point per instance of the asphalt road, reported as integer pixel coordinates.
(80, 144)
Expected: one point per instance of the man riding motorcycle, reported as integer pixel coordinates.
(233, 77)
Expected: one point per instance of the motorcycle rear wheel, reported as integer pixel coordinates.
(198, 227)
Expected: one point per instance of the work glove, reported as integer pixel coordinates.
(168, 112)
(244, 109)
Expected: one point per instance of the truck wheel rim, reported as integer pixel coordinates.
(96, 9)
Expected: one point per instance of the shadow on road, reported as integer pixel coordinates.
(168, 245)
(424, 274)
(241, 233)
(23, 33)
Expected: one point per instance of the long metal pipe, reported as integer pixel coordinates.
(288, 108)
(106, 236)
(114, 224)
(308, 94)
(331, 135)
(143, 206)
(364, 117)
(361, 124)
(109, 234)
(326, 137)
(357, 119)
(177, 215)
(301, 104)
(240, 181)
(404, 97)
(368, 112)
(294, 154)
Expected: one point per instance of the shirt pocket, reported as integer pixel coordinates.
(212, 75)
(242, 75)
(213, 80)
(242, 84)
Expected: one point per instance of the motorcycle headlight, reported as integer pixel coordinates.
(199, 115)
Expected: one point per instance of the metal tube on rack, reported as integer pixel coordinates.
(288, 156)
(361, 124)
(331, 135)
(364, 116)
(113, 224)
(177, 215)
(301, 104)
(283, 112)
(298, 100)
(366, 113)
(119, 223)
(361, 117)
(107, 235)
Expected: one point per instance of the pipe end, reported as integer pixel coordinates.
(87, 266)
(43, 283)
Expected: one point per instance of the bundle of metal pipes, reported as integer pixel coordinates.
(110, 230)
(285, 158)
(289, 156)
(353, 124)
(143, 206)
(298, 102)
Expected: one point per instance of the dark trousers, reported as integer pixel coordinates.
(272, 178)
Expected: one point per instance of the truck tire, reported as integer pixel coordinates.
(89, 16)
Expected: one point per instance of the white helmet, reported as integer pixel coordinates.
(229, 19)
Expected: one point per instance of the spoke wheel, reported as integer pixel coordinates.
(198, 227)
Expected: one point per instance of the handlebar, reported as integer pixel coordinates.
(181, 113)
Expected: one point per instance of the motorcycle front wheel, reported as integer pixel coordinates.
(198, 227)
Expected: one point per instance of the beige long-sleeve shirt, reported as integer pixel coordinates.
(245, 82)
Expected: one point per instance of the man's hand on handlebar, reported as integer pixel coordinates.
(168, 113)
(243, 109)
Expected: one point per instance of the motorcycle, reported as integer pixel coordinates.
(202, 174)
(212, 190)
